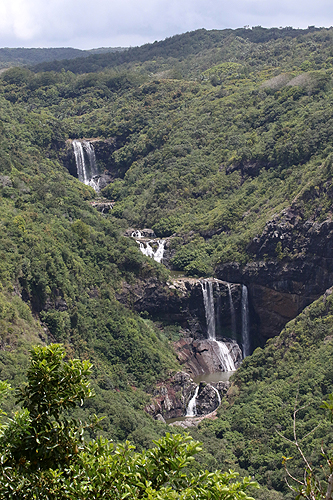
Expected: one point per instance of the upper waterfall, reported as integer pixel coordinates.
(85, 160)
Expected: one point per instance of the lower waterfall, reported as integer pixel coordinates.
(217, 393)
(191, 410)
(86, 163)
(222, 351)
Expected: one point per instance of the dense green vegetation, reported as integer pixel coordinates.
(215, 133)
(212, 141)
(44, 455)
(61, 263)
(10, 57)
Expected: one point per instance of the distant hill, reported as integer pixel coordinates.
(177, 47)
(21, 56)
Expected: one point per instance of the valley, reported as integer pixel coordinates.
(166, 213)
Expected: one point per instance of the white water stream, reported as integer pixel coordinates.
(149, 251)
(232, 311)
(191, 410)
(222, 351)
(245, 323)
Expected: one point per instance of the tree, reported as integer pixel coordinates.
(39, 434)
(310, 486)
(44, 456)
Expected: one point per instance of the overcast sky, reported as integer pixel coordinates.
(87, 24)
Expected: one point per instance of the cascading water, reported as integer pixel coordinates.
(148, 250)
(224, 357)
(191, 409)
(245, 323)
(217, 393)
(208, 299)
(222, 351)
(86, 170)
(232, 311)
(158, 255)
(136, 234)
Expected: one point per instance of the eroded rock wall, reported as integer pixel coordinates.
(293, 266)
(181, 301)
(170, 398)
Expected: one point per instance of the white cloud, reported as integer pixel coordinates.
(87, 24)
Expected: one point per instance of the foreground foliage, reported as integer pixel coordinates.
(44, 455)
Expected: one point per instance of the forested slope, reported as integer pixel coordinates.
(10, 57)
(61, 263)
(217, 152)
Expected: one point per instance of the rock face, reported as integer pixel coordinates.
(170, 399)
(181, 301)
(103, 206)
(201, 356)
(209, 397)
(294, 266)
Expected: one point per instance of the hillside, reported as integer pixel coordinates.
(61, 263)
(10, 57)
(220, 141)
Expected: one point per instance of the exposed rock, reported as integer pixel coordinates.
(296, 267)
(145, 233)
(170, 398)
(222, 387)
(194, 422)
(247, 169)
(207, 399)
(181, 301)
(5, 181)
(201, 356)
(103, 206)
(56, 302)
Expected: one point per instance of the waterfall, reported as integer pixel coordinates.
(191, 410)
(158, 255)
(136, 234)
(224, 357)
(245, 322)
(217, 392)
(86, 170)
(221, 350)
(208, 298)
(232, 312)
(147, 250)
